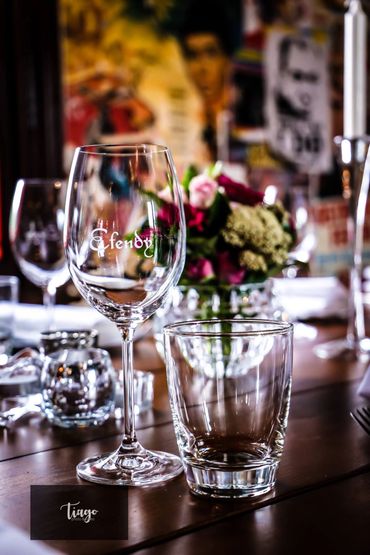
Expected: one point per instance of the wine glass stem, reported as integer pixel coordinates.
(356, 324)
(129, 436)
(49, 294)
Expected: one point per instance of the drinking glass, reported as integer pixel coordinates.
(354, 157)
(77, 379)
(36, 235)
(300, 201)
(125, 251)
(229, 384)
(9, 291)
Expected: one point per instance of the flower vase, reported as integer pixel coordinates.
(203, 302)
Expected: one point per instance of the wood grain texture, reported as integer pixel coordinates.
(320, 521)
(326, 454)
(309, 372)
(323, 445)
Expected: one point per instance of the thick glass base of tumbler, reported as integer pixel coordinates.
(231, 483)
(343, 348)
(142, 468)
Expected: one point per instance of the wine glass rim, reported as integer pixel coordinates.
(261, 327)
(109, 149)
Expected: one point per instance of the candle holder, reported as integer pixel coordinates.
(354, 157)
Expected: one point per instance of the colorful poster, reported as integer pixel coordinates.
(332, 253)
(147, 71)
(297, 100)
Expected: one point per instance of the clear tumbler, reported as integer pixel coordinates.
(229, 386)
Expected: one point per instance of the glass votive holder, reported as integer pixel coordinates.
(77, 380)
(9, 292)
(20, 379)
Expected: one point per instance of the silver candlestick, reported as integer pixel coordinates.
(354, 156)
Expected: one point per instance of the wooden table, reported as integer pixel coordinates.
(321, 503)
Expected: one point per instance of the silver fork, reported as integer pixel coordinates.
(362, 417)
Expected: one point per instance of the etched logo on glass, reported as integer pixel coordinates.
(100, 242)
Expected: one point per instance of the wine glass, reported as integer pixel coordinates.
(36, 236)
(125, 249)
(354, 158)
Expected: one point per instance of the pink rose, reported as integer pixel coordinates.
(199, 269)
(202, 191)
(228, 270)
(238, 192)
(166, 195)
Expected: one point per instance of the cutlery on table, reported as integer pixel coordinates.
(362, 416)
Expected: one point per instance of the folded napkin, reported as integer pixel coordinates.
(316, 297)
(301, 298)
(30, 321)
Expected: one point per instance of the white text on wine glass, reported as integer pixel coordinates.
(99, 242)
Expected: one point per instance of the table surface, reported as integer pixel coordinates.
(320, 503)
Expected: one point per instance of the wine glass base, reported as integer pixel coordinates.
(143, 468)
(343, 348)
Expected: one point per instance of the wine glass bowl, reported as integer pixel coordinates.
(125, 251)
(36, 234)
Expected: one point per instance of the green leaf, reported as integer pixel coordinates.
(201, 247)
(153, 197)
(214, 170)
(218, 213)
(190, 172)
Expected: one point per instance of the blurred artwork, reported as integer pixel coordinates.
(248, 125)
(137, 71)
(208, 37)
(124, 81)
(297, 100)
(332, 253)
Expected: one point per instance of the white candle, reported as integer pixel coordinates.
(354, 71)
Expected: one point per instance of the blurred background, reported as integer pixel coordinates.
(257, 84)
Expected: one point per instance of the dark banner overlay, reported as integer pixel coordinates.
(79, 513)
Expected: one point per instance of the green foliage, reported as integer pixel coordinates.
(190, 172)
(217, 214)
(204, 247)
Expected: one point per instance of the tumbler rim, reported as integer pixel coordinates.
(277, 328)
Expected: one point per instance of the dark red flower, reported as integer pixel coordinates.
(168, 214)
(228, 270)
(292, 225)
(149, 232)
(194, 217)
(238, 192)
(199, 269)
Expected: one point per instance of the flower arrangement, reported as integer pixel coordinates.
(233, 237)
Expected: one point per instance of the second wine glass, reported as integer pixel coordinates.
(125, 250)
(36, 236)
